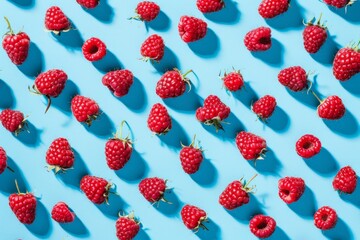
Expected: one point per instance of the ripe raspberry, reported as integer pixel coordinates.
(262, 226)
(233, 81)
(94, 49)
(264, 107)
(325, 218)
(209, 6)
(308, 146)
(193, 217)
(331, 108)
(96, 189)
(314, 36)
(172, 84)
(60, 156)
(118, 81)
(84, 109)
(273, 8)
(127, 227)
(118, 150)
(251, 146)
(258, 39)
(213, 112)
(346, 63)
(191, 29)
(345, 180)
(294, 78)
(153, 48)
(339, 3)
(23, 205)
(62, 214)
(12, 120)
(3, 160)
(56, 21)
(191, 157)
(291, 189)
(16, 45)
(146, 11)
(88, 3)
(159, 120)
(153, 189)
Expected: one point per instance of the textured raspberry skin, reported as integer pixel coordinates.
(234, 196)
(291, 189)
(118, 153)
(331, 108)
(209, 6)
(264, 107)
(51, 83)
(84, 109)
(56, 20)
(61, 213)
(262, 226)
(126, 228)
(147, 11)
(153, 48)
(24, 207)
(308, 146)
(16, 46)
(60, 154)
(191, 159)
(213, 112)
(192, 216)
(250, 145)
(346, 64)
(88, 3)
(96, 189)
(325, 218)
(345, 180)
(171, 84)
(191, 29)
(3, 160)
(118, 81)
(12, 120)
(159, 120)
(337, 3)
(273, 8)
(314, 37)
(258, 39)
(233, 81)
(293, 78)
(152, 189)
(94, 49)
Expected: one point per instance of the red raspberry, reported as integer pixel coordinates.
(273, 8)
(118, 81)
(96, 189)
(346, 63)
(159, 120)
(308, 146)
(147, 11)
(172, 84)
(62, 214)
(84, 109)
(16, 45)
(88, 3)
(153, 189)
(291, 189)
(153, 48)
(233, 81)
(314, 36)
(56, 21)
(3, 160)
(94, 49)
(262, 226)
(127, 227)
(60, 156)
(294, 78)
(258, 39)
(193, 217)
(213, 112)
(325, 218)
(264, 107)
(12, 120)
(209, 6)
(339, 3)
(191, 157)
(345, 180)
(118, 150)
(236, 194)
(191, 29)
(251, 146)
(331, 108)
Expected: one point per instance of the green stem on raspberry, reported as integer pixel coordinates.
(318, 22)
(250, 180)
(12, 170)
(9, 25)
(17, 186)
(316, 96)
(184, 75)
(48, 104)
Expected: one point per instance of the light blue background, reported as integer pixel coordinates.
(158, 156)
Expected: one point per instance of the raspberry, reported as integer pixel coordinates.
(191, 157)
(346, 63)
(96, 189)
(291, 189)
(258, 39)
(172, 84)
(193, 217)
(56, 21)
(12, 120)
(60, 156)
(3, 160)
(264, 107)
(147, 11)
(262, 226)
(153, 189)
(209, 6)
(118, 81)
(84, 109)
(159, 120)
(153, 48)
(233, 81)
(94, 49)
(339, 3)
(88, 3)
(345, 180)
(332, 108)
(314, 36)
(273, 8)
(191, 29)
(294, 78)
(23, 206)
(127, 227)
(308, 146)
(61, 213)
(325, 218)
(251, 146)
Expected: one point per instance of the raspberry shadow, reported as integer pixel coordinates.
(7, 96)
(230, 14)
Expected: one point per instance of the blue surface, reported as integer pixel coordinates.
(158, 156)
